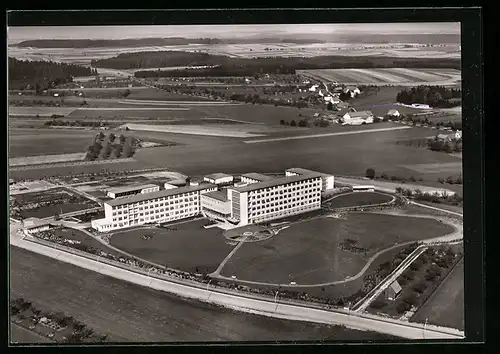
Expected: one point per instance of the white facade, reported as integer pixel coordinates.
(159, 207)
(214, 207)
(281, 198)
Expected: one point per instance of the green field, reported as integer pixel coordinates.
(189, 248)
(309, 253)
(130, 313)
(39, 142)
(445, 307)
(357, 199)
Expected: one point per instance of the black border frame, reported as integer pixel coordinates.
(473, 110)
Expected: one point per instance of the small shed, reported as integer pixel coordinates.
(393, 291)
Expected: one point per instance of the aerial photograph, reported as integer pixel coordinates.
(235, 183)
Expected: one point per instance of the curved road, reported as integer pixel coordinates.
(250, 305)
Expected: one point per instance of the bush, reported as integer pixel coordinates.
(293, 123)
(378, 304)
(402, 307)
(282, 122)
(370, 173)
(420, 287)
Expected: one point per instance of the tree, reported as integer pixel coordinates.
(411, 300)
(420, 287)
(293, 123)
(112, 137)
(370, 173)
(282, 122)
(402, 307)
(100, 136)
(122, 138)
(329, 106)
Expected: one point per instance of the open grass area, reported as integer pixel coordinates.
(326, 249)
(185, 246)
(358, 198)
(445, 307)
(161, 95)
(39, 142)
(130, 313)
(20, 335)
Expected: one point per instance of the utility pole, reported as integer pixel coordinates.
(276, 300)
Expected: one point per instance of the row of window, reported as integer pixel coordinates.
(284, 213)
(285, 198)
(156, 200)
(142, 221)
(272, 209)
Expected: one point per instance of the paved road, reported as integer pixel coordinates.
(266, 308)
(438, 209)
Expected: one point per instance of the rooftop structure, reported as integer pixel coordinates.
(219, 195)
(159, 194)
(219, 178)
(256, 177)
(276, 182)
(130, 188)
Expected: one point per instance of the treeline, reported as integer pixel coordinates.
(434, 96)
(144, 42)
(75, 123)
(41, 75)
(437, 144)
(437, 198)
(105, 147)
(251, 66)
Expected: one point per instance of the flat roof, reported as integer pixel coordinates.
(276, 182)
(34, 222)
(218, 175)
(159, 194)
(303, 171)
(360, 114)
(131, 188)
(258, 176)
(176, 182)
(219, 195)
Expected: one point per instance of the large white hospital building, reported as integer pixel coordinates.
(257, 198)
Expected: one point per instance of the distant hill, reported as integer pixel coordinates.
(145, 42)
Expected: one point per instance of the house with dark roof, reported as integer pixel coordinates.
(357, 118)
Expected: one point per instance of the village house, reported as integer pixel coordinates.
(357, 118)
(393, 291)
(393, 113)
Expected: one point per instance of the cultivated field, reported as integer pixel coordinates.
(311, 252)
(445, 307)
(36, 160)
(130, 313)
(39, 142)
(186, 246)
(358, 198)
(393, 76)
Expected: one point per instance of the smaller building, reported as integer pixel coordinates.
(34, 225)
(393, 113)
(127, 191)
(357, 118)
(219, 178)
(393, 291)
(176, 183)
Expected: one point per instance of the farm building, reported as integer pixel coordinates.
(219, 178)
(34, 225)
(358, 118)
(326, 179)
(313, 88)
(120, 192)
(450, 137)
(393, 113)
(393, 291)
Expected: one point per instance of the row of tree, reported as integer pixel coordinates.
(434, 96)
(438, 198)
(451, 180)
(437, 144)
(233, 66)
(75, 123)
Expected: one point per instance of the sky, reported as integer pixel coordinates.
(17, 34)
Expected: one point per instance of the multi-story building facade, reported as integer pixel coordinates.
(327, 180)
(275, 199)
(216, 205)
(157, 207)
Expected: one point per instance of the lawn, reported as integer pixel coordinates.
(358, 199)
(445, 307)
(189, 247)
(84, 239)
(161, 95)
(312, 251)
(130, 313)
(38, 142)
(21, 335)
